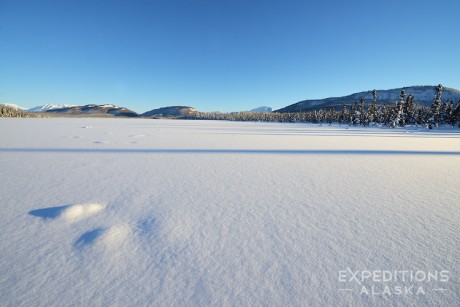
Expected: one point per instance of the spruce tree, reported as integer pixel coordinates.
(381, 112)
(397, 115)
(456, 115)
(409, 110)
(356, 115)
(371, 113)
(362, 113)
(351, 115)
(343, 115)
(448, 114)
(401, 105)
(373, 108)
(436, 108)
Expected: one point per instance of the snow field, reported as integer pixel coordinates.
(155, 212)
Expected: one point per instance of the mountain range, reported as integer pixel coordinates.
(263, 109)
(422, 95)
(170, 111)
(49, 107)
(93, 109)
(105, 109)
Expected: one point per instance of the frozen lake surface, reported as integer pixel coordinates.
(131, 212)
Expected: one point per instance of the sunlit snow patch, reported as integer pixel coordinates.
(78, 212)
(115, 235)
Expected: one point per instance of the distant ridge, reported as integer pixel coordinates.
(422, 95)
(263, 109)
(49, 106)
(93, 109)
(171, 111)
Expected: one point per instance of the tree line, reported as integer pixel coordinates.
(402, 113)
(6, 111)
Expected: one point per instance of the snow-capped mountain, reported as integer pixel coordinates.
(49, 106)
(94, 109)
(263, 109)
(422, 95)
(14, 106)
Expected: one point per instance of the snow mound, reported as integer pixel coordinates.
(78, 212)
(104, 238)
(115, 235)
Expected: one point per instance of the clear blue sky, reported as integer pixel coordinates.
(221, 55)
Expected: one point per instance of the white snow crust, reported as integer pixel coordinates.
(141, 212)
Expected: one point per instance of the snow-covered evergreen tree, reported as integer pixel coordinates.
(363, 120)
(409, 111)
(436, 108)
(356, 115)
(343, 115)
(456, 115)
(448, 114)
(381, 115)
(6, 111)
(373, 108)
(321, 116)
(371, 113)
(397, 116)
(351, 114)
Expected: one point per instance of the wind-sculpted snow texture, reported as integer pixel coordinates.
(133, 212)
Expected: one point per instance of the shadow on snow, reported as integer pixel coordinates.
(88, 238)
(223, 151)
(48, 213)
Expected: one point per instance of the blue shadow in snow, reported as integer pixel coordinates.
(88, 238)
(48, 213)
(147, 226)
(233, 151)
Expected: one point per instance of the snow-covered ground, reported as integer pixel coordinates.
(132, 212)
